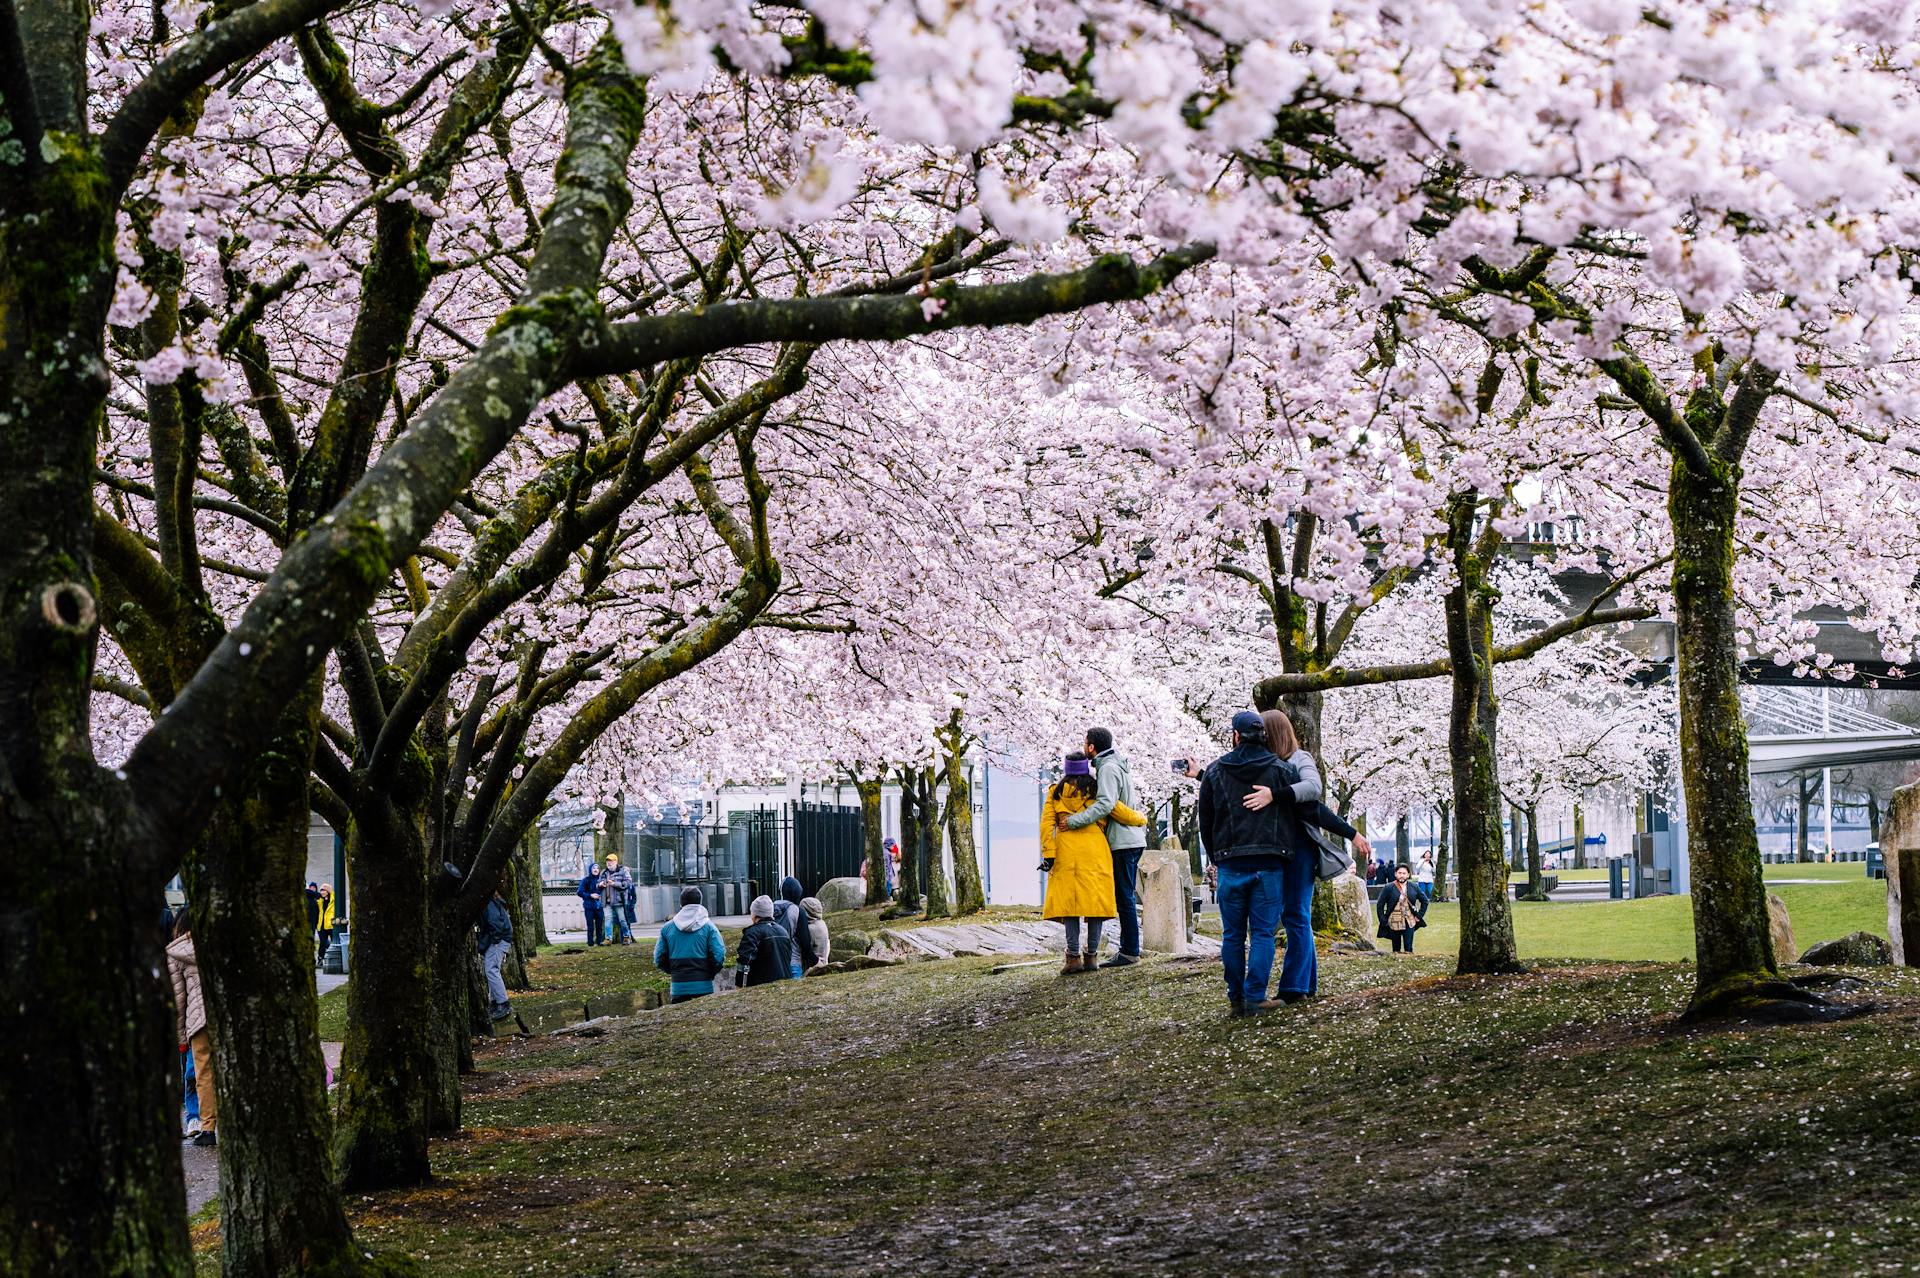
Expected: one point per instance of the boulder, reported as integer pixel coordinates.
(850, 942)
(1855, 949)
(1353, 909)
(1784, 948)
(842, 894)
(1166, 901)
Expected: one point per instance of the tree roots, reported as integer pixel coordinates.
(1767, 1000)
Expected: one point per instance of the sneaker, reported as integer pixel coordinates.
(502, 1012)
(205, 1138)
(1122, 960)
(1266, 1005)
(1236, 1007)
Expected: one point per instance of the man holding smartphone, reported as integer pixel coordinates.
(1113, 784)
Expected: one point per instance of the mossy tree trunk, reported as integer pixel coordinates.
(1536, 880)
(522, 888)
(969, 896)
(1486, 920)
(1733, 943)
(380, 1141)
(939, 903)
(875, 839)
(280, 1211)
(912, 817)
(89, 1170)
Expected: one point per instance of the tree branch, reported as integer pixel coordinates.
(1273, 687)
(198, 59)
(702, 331)
(330, 576)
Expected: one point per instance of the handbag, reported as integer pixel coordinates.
(1334, 860)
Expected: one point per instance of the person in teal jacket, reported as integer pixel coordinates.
(690, 950)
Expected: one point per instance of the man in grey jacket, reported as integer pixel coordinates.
(1113, 783)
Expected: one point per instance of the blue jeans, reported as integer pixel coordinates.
(490, 961)
(1126, 896)
(1299, 971)
(596, 924)
(622, 922)
(192, 1090)
(1249, 903)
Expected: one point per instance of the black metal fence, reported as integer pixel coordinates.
(829, 842)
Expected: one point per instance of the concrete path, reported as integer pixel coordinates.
(202, 1165)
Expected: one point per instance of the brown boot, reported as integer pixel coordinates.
(1073, 965)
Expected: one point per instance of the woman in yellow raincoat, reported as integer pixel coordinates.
(1078, 863)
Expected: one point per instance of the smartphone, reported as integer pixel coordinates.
(1180, 766)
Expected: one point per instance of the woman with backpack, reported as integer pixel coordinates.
(1078, 863)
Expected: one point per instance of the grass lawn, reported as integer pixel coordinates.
(1660, 928)
(571, 974)
(1839, 872)
(939, 1120)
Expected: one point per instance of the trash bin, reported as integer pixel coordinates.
(334, 961)
(1616, 879)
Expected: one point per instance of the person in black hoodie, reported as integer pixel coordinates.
(766, 951)
(791, 915)
(1266, 862)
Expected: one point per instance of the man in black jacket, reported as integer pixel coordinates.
(1266, 860)
(1250, 849)
(766, 951)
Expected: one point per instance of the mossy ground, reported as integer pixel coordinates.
(570, 974)
(938, 1119)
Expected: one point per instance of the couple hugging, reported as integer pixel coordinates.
(1091, 838)
(1259, 806)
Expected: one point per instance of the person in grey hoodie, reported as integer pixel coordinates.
(817, 929)
(1113, 784)
(690, 950)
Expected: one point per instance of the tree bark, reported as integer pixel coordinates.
(1443, 859)
(939, 904)
(1733, 944)
(380, 1141)
(1486, 919)
(969, 896)
(1579, 837)
(1402, 842)
(1536, 881)
(1803, 852)
(911, 819)
(521, 886)
(90, 1178)
(89, 1167)
(280, 1212)
(876, 848)
(453, 963)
